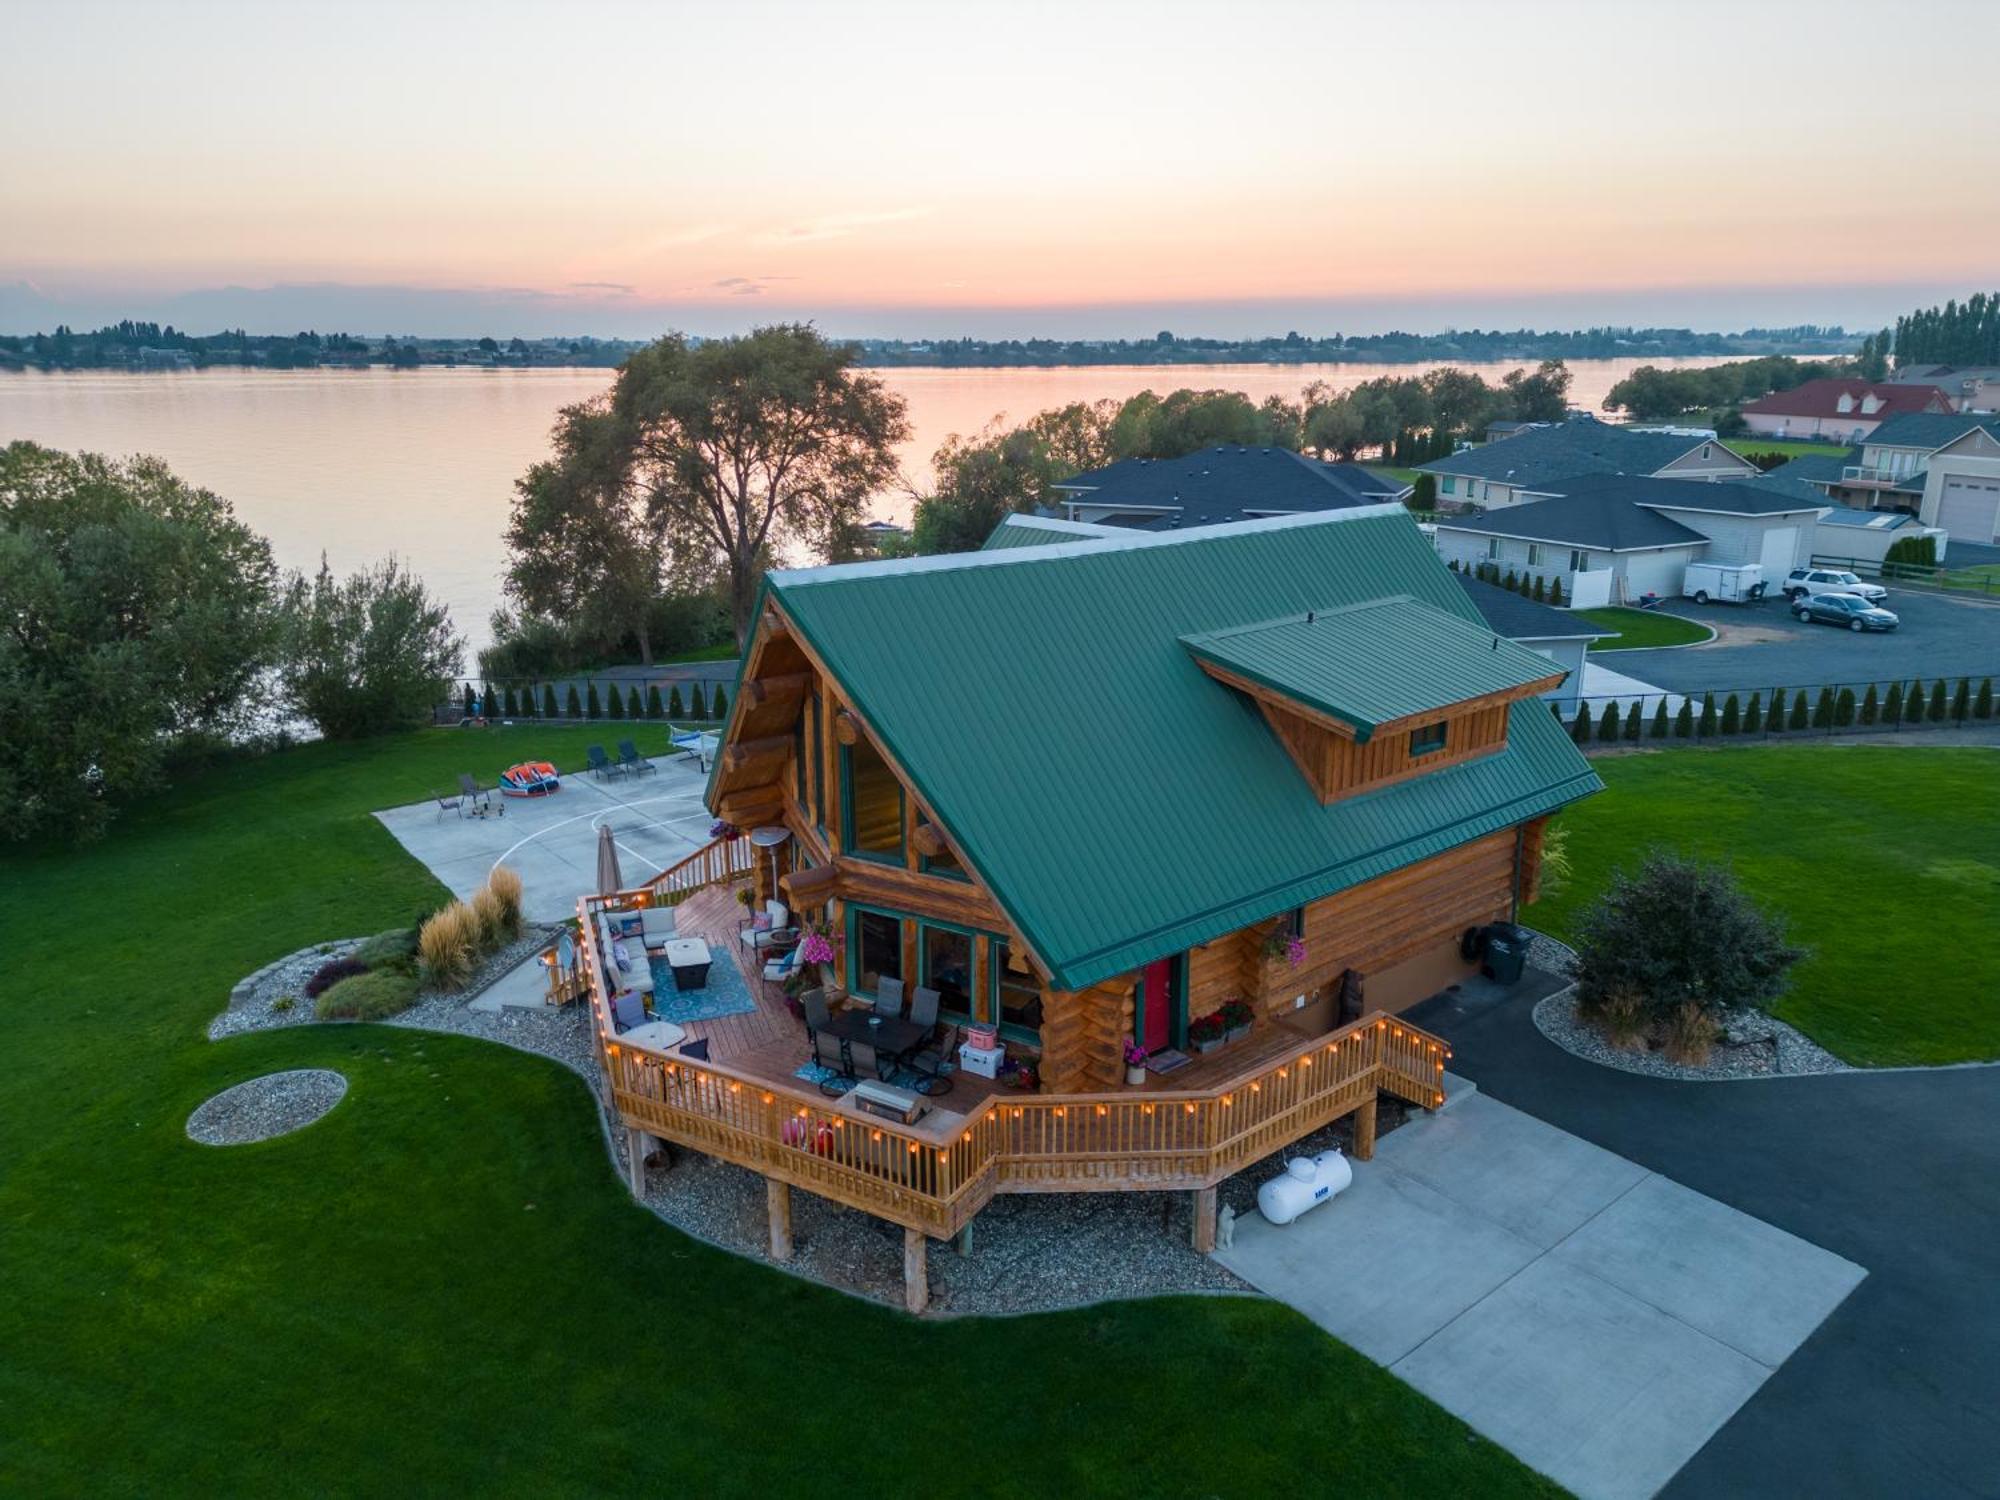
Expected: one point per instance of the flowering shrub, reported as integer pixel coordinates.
(1295, 951)
(815, 948)
(1236, 1014)
(1207, 1029)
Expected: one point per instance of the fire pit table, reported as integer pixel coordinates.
(689, 959)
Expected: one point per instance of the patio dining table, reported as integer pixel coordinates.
(890, 1036)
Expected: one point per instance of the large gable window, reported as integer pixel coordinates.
(872, 811)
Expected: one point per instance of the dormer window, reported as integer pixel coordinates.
(1845, 404)
(1428, 740)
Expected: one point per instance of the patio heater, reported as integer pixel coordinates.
(772, 838)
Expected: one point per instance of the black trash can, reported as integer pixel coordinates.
(1506, 954)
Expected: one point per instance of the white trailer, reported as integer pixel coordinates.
(1730, 583)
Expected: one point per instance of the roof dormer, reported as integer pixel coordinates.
(1376, 693)
(1845, 404)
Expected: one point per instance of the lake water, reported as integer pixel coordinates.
(359, 463)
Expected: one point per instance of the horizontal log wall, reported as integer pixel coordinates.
(1084, 1035)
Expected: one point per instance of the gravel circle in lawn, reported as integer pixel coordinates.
(257, 1110)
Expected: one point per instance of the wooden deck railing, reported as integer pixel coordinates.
(718, 862)
(928, 1178)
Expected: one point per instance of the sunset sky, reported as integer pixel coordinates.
(936, 168)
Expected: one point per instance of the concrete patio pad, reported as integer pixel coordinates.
(1596, 1319)
(657, 820)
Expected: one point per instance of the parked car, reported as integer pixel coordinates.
(1802, 582)
(1845, 609)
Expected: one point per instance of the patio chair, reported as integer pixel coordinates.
(630, 758)
(924, 1008)
(476, 797)
(888, 996)
(448, 803)
(602, 765)
(933, 1063)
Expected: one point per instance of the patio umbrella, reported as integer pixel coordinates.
(609, 878)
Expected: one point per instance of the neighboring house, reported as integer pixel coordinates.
(1508, 428)
(1845, 536)
(1969, 387)
(1559, 635)
(1500, 474)
(877, 534)
(1846, 410)
(1641, 531)
(1943, 469)
(1554, 633)
(1290, 729)
(1217, 485)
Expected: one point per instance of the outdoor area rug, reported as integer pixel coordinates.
(899, 1077)
(724, 995)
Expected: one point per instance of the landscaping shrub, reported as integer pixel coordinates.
(1732, 716)
(492, 916)
(549, 709)
(1690, 1033)
(1684, 720)
(1607, 724)
(1541, 589)
(1556, 591)
(1937, 702)
(1706, 728)
(1634, 721)
(1579, 729)
(1621, 1016)
(1823, 710)
(653, 708)
(634, 709)
(1915, 551)
(331, 973)
(1659, 730)
(1798, 718)
(395, 948)
(718, 707)
(1982, 707)
(1843, 708)
(1961, 701)
(572, 704)
(504, 885)
(1679, 932)
(448, 945)
(1913, 702)
(592, 708)
(1777, 710)
(1512, 584)
(697, 705)
(1871, 706)
(367, 997)
(510, 704)
(614, 703)
(467, 701)
(675, 710)
(1892, 707)
(1753, 720)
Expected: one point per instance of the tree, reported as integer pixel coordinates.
(736, 447)
(1541, 589)
(592, 708)
(1982, 707)
(512, 706)
(1607, 723)
(1707, 726)
(549, 709)
(366, 654)
(1659, 728)
(1798, 718)
(1732, 716)
(1679, 932)
(653, 707)
(1961, 701)
(136, 612)
(1579, 729)
(469, 701)
(1892, 708)
(1871, 706)
(633, 707)
(1540, 397)
(1937, 710)
(718, 707)
(572, 704)
(980, 482)
(1684, 720)
(1634, 720)
(1822, 717)
(1753, 717)
(1556, 592)
(614, 702)
(697, 703)
(1777, 710)
(1843, 708)
(675, 710)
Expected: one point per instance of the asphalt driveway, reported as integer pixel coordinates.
(1762, 645)
(1898, 1391)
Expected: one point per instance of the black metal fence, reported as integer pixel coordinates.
(574, 700)
(1791, 712)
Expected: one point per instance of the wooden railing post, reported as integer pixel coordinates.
(1204, 1220)
(1364, 1130)
(778, 1203)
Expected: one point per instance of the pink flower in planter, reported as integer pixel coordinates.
(815, 948)
(1295, 951)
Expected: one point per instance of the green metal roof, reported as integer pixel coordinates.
(1367, 664)
(1019, 530)
(1121, 804)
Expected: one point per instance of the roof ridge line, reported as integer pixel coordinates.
(1302, 617)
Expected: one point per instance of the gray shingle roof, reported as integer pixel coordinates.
(1929, 430)
(1225, 484)
(1580, 521)
(1522, 619)
(1740, 498)
(1816, 468)
(1575, 447)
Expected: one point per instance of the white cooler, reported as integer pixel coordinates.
(985, 1061)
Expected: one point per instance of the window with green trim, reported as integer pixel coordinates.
(945, 864)
(1017, 995)
(874, 949)
(1428, 740)
(871, 823)
(945, 956)
(812, 722)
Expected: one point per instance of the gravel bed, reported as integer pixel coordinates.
(1754, 1045)
(257, 1110)
(274, 995)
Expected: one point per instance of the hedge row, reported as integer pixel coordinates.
(522, 703)
(1527, 585)
(1832, 709)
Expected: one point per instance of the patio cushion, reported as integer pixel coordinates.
(659, 924)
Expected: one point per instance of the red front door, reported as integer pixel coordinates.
(1155, 1027)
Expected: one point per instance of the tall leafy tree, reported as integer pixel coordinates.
(137, 611)
(368, 653)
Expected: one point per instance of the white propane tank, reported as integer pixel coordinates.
(1306, 1180)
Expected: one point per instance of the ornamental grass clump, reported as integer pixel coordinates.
(503, 886)
(1678, 934)
(448, 944)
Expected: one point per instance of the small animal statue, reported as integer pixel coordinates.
(1225, 1228)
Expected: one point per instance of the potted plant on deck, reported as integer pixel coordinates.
(816, 948)
(1236, 1018)
(1135, 1063)
(1206, 1033)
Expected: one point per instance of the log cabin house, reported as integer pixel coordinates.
(1088, 792)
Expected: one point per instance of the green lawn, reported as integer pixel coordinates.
(443, 1288)
(1884, 861)
(1744, 446)
(1636, 629)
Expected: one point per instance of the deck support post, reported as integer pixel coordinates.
(1364, 1130)
(635, 1159)
(962, 1241)
(778, 1203)
(916, 1273)
(1204, 1220)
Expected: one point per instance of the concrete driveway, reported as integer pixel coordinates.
(1898, 1392)
(1762, 645)
(1596, 1319)
(657, 819)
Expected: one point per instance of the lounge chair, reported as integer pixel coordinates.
(630, 758)
(448, 803)
(696, 742)
(602, 765)
(476, 797)
(888, 996)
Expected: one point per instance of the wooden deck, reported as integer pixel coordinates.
(770, 1042)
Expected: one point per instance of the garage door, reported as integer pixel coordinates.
(1781, 545)
(1656, 572)
(1969, 510)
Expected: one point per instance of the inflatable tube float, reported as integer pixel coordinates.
(531, 778)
